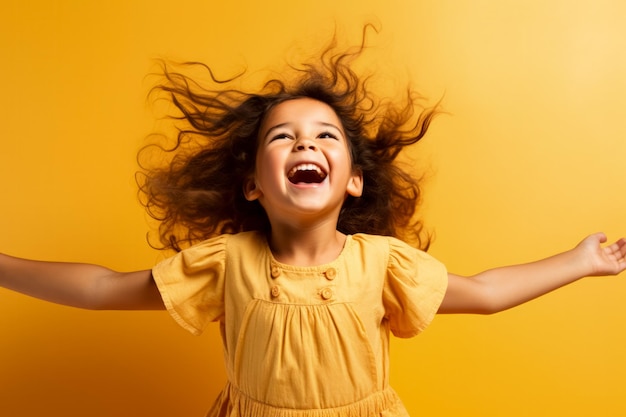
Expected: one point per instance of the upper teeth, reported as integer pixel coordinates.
(306, 167)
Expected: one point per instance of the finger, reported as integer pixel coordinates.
(621, 247)
(612, 248)
(600, 236)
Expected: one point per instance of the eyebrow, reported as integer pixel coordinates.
(323, 124)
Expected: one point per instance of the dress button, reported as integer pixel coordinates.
(326, 293)
(330, 274)
(275, 291)
(275, 271)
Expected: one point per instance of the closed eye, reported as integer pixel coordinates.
(281, 136)
(327, 135)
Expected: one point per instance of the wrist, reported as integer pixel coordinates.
(581, 261)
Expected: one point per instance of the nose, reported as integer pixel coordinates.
(304, 144)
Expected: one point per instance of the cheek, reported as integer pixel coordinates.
(268, 168)
(341, 158)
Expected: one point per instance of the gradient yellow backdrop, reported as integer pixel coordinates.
(528, 160)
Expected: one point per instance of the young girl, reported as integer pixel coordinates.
(286, 208)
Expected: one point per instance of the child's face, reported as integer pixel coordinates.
(303, 165)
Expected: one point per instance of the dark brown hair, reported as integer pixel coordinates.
(196, 192)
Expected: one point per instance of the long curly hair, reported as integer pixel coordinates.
(196, 191)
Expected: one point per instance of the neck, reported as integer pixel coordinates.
(315, 245)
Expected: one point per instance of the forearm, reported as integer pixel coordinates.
(58, 282)
(501, 288)
(511, 286)
(80, 285)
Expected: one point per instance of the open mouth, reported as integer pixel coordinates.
(306, 174)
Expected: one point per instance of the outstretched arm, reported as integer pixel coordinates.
(502, 288)
(80, 285)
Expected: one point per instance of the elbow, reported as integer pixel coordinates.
(95, 295)
(484, 310)
(489, 308)
(484, 307)
(92, 302)
(490, 302)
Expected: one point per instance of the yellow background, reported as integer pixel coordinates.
(528, 161)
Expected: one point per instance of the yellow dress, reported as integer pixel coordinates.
(304, 341)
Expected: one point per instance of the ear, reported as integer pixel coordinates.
(250, 190)
(355, 185)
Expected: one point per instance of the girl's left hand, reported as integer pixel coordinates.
(608, 260)
(505, 287)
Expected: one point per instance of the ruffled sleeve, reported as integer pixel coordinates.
(191, 284)
(415, 286)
